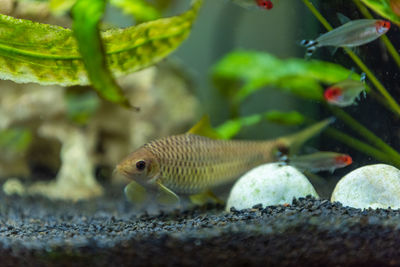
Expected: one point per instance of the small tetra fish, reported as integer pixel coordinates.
(262, 4)
(192, 163)
(320, 161)
(344, 93)
(353, 33)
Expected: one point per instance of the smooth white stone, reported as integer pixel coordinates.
(373, 186)
(269, 184)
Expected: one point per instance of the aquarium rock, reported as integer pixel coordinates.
(373, 186)
(73, 151)
(269, 184)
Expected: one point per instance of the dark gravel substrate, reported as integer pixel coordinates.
(37, 232)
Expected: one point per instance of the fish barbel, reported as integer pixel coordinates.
(191, 164)
(351, 34)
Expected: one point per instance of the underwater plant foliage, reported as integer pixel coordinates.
(232, 127)
(87, 15)
(242, 73)
(15, 140)
(139, 9)
(48, 54)
(259, 69)
(383, 8)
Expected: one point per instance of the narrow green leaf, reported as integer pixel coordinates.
(15, 139)
(257, 70)
(87, 15)
(140, 9)
(230, 128)
(284, 118)
(60, 7)
(383, 8)
(48, 54)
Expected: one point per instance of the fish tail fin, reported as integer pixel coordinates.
(292, 143)
(308, 43)
(311, 46)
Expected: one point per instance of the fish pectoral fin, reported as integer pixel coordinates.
(204, 128)
(203, 198)
(165, 196)
(135, 193)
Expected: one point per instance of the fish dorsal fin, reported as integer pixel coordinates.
(342, 18)
(165, 196)
(204, 128)
(135, 193)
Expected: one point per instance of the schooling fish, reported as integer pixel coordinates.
(193, 163)
(320, 161)
(344, 93)
(262, 4)
(351, 34)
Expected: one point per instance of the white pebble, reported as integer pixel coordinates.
(269, 184)
(372, 186)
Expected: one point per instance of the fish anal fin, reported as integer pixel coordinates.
(135, 193)
(166, 196)
(203, 128)
(333, 50)
(204, 197)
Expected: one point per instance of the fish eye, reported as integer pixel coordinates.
(141, 165)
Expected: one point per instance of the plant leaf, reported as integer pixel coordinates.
(87, 15)
(15, 139)
(257, 70)
(230, 128)
(140, 9)
(60, 7)
(48, 54)
(383, 8)
(284, 118)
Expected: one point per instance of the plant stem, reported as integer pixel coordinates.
(394, 106)
(359, 145)
(385, 39)
(367, 134)
(362, 147)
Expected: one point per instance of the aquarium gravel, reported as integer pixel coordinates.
(107, 231)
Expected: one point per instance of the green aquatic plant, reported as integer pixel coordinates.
(48, 54)
(232, 127)
(15, 140)
(139, 9)
(383, 8)
(389, 100)
(242, 73)
(391, 49)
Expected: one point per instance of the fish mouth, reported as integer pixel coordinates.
(119, 169)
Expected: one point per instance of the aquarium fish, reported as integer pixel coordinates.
(320, 161)
(193, 163)
(350, 34)
(344, 93)
(250, 4)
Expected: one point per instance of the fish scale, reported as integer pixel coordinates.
(195, 162)
(191, 163)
